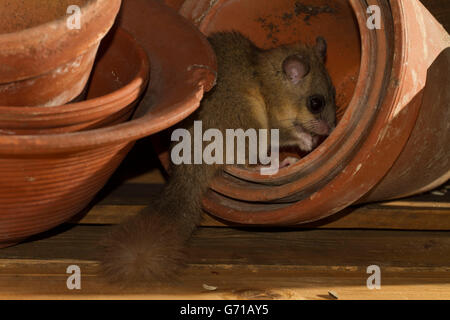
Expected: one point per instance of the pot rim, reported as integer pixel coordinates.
(164, 111)
(110, 105)
(60, 121)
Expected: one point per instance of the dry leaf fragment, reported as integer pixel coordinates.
(333, 294)
(209, 288)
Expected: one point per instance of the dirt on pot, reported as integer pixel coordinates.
(16, 15)
(299, 10)
(311, 11)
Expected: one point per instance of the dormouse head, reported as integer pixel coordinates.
(299, 93)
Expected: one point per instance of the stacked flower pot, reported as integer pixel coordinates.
(70, 82)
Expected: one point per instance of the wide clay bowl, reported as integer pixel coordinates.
(45, 55)
(119, 76)
(46, 179)
(392, 96)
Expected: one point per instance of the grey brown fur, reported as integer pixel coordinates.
(255, 89)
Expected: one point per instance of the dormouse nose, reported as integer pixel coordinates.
(322, 128)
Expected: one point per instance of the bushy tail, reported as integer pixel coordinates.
(151, 246)
(146, 248)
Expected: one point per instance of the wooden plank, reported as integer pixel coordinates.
(254, 246)
(431, 205)
(244, 265)
(423, 212)
(375, 217)
(232, 282)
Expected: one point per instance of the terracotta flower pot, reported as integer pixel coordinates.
(46, 179)
(105, 104)
(42, 61)
(392, 138)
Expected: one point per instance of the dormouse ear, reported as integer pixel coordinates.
(321, 47)
(295, 68)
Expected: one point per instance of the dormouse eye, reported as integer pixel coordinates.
(316, 103)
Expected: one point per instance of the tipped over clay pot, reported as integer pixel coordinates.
(119, 77)
(47, 179)
(45, 59)
(392, 139)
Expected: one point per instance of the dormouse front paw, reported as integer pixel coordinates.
(289, 161)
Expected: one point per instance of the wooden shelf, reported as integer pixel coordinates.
(408, 239)
(244, 264)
